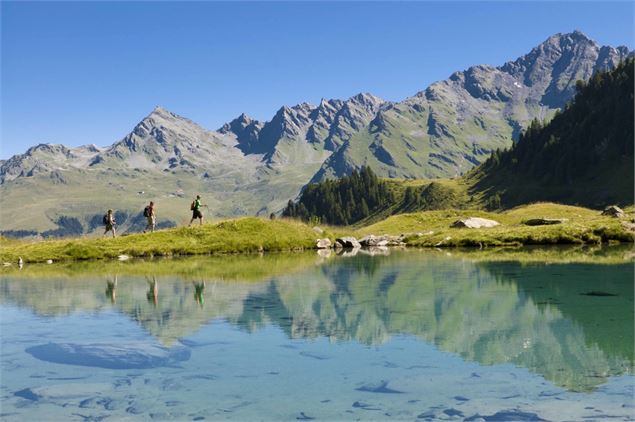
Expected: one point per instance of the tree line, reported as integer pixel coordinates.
(343, 201)
(595, 128)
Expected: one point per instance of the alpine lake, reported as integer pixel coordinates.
(526, 334)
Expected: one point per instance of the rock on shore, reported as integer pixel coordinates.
(614, 211)
(347, 242)
(474, 223)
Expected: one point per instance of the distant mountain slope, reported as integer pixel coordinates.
(455, 124)
(252, 167)
(583, 156)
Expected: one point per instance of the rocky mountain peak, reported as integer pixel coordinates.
(239, 123)
(246, 131)
(291, 120)
(568, 38)
(367, 100)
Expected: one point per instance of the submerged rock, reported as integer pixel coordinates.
(474, 223)
(110, 356)
(382, 387)
(453, 412)
(598, 293)
(508, 415)
(63, 391)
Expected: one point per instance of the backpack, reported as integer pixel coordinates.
(105, 220)
(146, 211)
(193, 206)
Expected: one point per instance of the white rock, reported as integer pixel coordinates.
(123, 257)
(49, 261)
(474, 223)
(323, 243)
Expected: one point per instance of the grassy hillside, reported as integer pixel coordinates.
(584, 155)
(582, 226)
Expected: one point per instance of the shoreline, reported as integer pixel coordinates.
(427, 229)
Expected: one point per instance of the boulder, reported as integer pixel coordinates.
(614, 211)
(474, 223)
(66, 391)
(372, 240)
(323, 243)
(347, 242)
(110, 356)
(318, 230)
(544, 221)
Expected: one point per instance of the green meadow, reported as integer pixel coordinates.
(580, 226)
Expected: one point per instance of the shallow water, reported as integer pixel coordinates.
(411, 335)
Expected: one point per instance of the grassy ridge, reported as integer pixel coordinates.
(583, 226)
(248, 235)
(243, 235)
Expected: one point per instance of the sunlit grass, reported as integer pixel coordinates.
(582, 226)
(243, 235)
(252, 235)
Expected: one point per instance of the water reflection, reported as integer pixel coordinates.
(531, 315)
(111, 290)
(153, 290)
(199, 290)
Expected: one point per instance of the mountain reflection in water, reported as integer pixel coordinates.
(531, 315)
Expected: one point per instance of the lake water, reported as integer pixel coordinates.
(414, 335)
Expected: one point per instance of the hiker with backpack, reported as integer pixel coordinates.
(149, 213)
(196, 210)
(109, 222)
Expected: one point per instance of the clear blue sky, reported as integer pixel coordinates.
(78, 73)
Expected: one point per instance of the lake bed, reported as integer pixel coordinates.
(423, 335)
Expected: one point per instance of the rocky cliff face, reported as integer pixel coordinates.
(319, 128)
(249, 167)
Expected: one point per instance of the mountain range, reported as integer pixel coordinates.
(253, 167)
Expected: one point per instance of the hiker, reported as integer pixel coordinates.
(196, 210)
(109, 222)
(149, 213)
